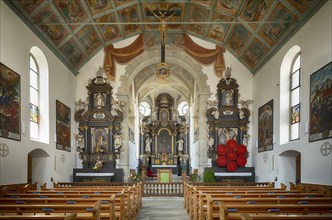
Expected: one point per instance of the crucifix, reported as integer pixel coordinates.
(163, 15)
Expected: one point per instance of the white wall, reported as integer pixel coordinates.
(314, 39)
(16, 41)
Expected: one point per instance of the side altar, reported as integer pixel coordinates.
(227, 121)
(164, 138)
(99, 133)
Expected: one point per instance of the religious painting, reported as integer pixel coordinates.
(63, 132)
(273, 31)
(109, 31)
(320, 104)
(72, 52)
(252, 56)
(231, 7)
(49, 23)
(164, 142)
(89, 39)
(30, 6)
(227, 97)
(10, 103)
(301, 5)
(99, 140)
(97, 6)
(254, 11)
(265, 127)
(128, 15)
(197, 14)
(72, 11)
(218, 29)
(225, 134)
(239, 37)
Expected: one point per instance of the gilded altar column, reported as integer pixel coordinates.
(123, 161)
(203, 160)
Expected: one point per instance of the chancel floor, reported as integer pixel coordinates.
(163, 208)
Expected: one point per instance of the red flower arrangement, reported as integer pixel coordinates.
(231, 155)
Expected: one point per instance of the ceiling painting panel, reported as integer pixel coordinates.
(230, 6)
(219, 27)
(254, 53)
(197, 14)
(89, 39)
(49, 23)
(73, 53)
(302, 5)
(280, 21)
(30, 6)
(72, 11)
(128, 15)
(239, 38)
(97, 6)
(109, 31)
(254, 11)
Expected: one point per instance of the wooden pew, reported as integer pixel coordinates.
(90, 211)
(284, 217)
(72, 216)
(212, 207)
(232, 211)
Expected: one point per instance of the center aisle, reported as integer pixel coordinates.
(163, 208)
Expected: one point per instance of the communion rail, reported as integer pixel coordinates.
(162, 189)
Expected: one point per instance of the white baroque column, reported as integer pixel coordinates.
(203, 160)
(123, 162)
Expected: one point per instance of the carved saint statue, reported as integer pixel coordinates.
(180, 145)
(100, 100)
(148, 142)
(98, 164)
(117, 142)
(99, 144)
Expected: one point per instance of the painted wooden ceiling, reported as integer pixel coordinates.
(252, 30)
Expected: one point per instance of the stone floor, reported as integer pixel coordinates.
(163, 208)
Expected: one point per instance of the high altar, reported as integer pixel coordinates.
(164, 138)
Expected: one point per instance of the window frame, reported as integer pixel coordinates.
(32, 71)
(292, 91)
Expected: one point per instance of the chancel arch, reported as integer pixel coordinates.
(187, 82)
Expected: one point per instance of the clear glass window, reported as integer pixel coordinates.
(145, 108)
(183, 108)
(34, 98)
(295, 97)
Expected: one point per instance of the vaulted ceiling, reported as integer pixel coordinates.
(252, 30)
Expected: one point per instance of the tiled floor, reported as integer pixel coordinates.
(163, 208)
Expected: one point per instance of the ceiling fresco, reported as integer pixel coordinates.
(252, 30)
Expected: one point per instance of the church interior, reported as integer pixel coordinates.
(119, 91)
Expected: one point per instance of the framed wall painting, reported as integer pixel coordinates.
(63, 114)
(10, 103)
(321, 103)
(265, 127)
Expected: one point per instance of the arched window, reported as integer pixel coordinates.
(145, 108)
(34, 98)
(39, 96)
(183, 108)
(295, 97)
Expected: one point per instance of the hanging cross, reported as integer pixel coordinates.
(163, 15)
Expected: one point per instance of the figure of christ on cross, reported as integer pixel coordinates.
(163, 17)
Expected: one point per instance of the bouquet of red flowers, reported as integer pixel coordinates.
(232, 155)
